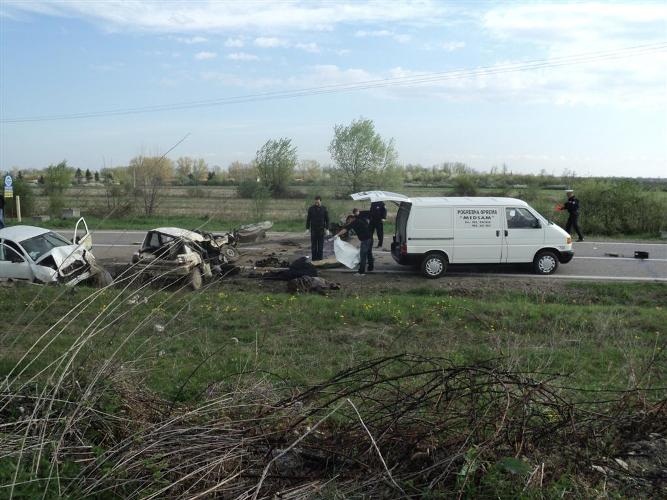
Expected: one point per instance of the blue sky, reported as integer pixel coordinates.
(453, 81)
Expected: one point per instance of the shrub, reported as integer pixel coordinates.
(619, 207)
(247, 188)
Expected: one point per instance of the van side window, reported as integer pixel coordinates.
(520, 218)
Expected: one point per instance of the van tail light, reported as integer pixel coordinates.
(569, 240)
(404, 248)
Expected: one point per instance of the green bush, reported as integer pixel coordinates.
(620, 207)
(22, 189)
(247, 188)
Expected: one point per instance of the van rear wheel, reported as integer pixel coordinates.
(434, 265)
(545, 262)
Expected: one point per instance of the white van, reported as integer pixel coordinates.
(433, 232)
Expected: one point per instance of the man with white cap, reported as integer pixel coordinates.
(572, 207)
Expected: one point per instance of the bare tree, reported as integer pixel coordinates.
(151, 174)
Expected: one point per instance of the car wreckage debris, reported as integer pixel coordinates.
(300, 267)
(311, 284)
(272, 260)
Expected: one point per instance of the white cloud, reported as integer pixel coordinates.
(452, 46)
(554, 31)
(204, 55)
(399, 37)
(234, 43)
(270, 42)
(189, 17)
(242, 56)
(191, 40)
(308, 47)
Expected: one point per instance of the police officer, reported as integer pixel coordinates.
(361, 228)
(378, 214)
(572, 207)
(317, 222)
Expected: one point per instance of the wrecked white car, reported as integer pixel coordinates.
(38, 255)
(174, 253)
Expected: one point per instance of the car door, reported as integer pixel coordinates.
(13, 265)
(86, 239)
(477, 235)
(524, 235)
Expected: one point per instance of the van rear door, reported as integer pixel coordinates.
(478, 234)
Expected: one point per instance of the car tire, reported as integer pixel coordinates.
(196, 280)
(103, 278)
(433, 265)
(545, 262)
(231, 254)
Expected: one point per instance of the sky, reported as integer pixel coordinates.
(536, 86)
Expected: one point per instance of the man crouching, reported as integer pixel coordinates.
(360, 227)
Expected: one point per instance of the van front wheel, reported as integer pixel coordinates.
(434, 265)
(545, 262)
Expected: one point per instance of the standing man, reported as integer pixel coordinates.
(2, 209)
(378, 215)
(361, 229)
(572, 207)
(318, 222)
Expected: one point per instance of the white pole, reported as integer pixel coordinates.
(18, 208)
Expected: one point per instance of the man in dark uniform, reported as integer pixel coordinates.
(360, 227)
(2, 209)
(318, 222)
(378, 214)
(572, 207)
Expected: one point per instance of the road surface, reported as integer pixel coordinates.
(594, 260)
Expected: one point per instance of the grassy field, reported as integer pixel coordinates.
(588, 344)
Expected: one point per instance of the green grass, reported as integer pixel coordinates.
(597, 336)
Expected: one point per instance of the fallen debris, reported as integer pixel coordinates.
(252, 232)
(311, 284)
(300, 267)
(272, 260)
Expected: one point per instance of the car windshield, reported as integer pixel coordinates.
(39, 245)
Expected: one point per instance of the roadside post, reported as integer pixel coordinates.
(18, 208)
(8, 192)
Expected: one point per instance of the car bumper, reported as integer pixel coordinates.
(565, 257)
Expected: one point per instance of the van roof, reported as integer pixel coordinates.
(437, 201)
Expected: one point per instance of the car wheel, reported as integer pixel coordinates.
(545, 262)
(196, 279)
(231, 253)
(434, 265)
(103, 279)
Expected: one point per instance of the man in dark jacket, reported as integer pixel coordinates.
(378, 214)
(360, 227)
(2, 209)
(318, 222)
(572, 207)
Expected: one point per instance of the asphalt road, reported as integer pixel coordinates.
(594, 260)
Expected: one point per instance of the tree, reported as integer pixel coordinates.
(56, 179)
(190, 170)
(275, 162)
(360, 155)
(89, 176)
(97, 177)
(308, 171)
(78, 175)
(150, 175)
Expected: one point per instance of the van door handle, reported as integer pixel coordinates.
(498, 233)
(506, 233)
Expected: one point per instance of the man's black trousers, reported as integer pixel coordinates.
(573, 223)
(316, 243)
(377, 227)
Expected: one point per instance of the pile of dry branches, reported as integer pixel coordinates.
(390, 427)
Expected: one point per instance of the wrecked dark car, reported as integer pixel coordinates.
(173, 253)
(38, 255)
